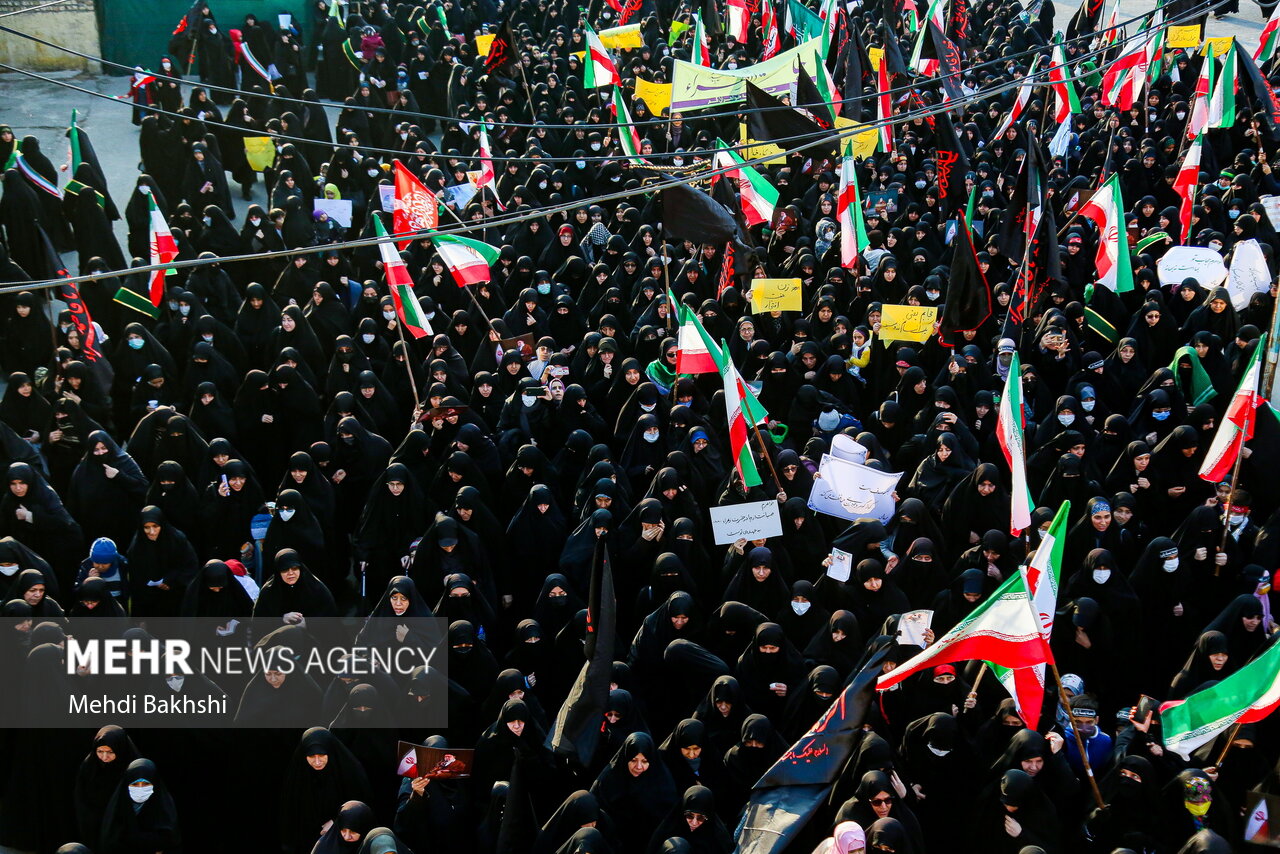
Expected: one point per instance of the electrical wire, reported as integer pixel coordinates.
(1209, 5)
(810, 139)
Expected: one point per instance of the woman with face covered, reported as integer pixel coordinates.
(1013, 813)
(141, 817)
(392, 518)
(876, 798)
(99, 775)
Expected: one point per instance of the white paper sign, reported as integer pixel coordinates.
(339, 210)
(1249, 273)
(756, 520)
(1192, 262)
(1272, 206)
(851, 491)
(841, 565)
(387, 194)
(912, 626)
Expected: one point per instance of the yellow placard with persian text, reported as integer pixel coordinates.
(656, 96)
(907, 322)
(754, 149)
(483, 42)
(1183, 36)
(775, 295)
(863, 142)
(622, 38)
(876, 55)
(260, 151)
(1221, 44)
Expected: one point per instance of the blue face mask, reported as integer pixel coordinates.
(136, 343)
(544, 288)
(1160, 416)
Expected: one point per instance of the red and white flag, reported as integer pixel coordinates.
(415, 208)
(1237, 424)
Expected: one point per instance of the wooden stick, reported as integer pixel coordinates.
(1231, 739)
(1075, 730)
(764, 449)
(973, 692)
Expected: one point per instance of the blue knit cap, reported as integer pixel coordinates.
(103, 551)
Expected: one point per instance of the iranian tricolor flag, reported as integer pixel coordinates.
(1187, 181)
(1123, 81)
(734, 393)
(1222, 101)
(600, 69)
(937, 14)
(769, 26)
(1106, 209)
(1237, 424)
(627, 135)
(1068, 102)
(415, 206)
(401, 285)
(488, 177)
(1244, 697)
(853, 225)
(1019, 103)
(758, 196)
(739, 23)
(163, 249)
(1042, 576)
(1009, 429)
(693, 353)
(1199, 119)
(884, 109)
(1004, 630)
(1267, 42)
(701, 47)
(469, 260)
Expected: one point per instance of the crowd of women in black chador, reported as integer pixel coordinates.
(452, 475)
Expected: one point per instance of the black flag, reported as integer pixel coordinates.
(577, 726)
(950, 61)
(791, 792)
(502, 51)
(968, 296)
(809, 100)
(951, 164)
(770, 120)
(689, 214)
(892, 50)
(853, 83)
(1260, 93)
(1022, 214)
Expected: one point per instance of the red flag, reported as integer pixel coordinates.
(415, 207)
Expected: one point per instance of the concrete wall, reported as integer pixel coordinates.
(73, 23)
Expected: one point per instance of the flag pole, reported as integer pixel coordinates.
(467, 288)
(408, 366)
(973, 691)
(1101, 180)
(1075, 730)
(1235, 480)
(764, 449)
(1231, 739)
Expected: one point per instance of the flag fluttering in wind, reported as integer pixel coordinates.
(1009, 433)
(1019, 103)
(416, 209)
(1186, 182)
(598, 68)
(1068, 102)
(701, 47)
(739, 21)
(1106, 210)
(1222, 98)
(739, 429)
(1267, 41)
(968, 297)
(769, 25)
(627, 136)
(163, 249)
(401, 285)
(1237, 424)
(468, 260)
(853, 225)
(1004, 629)
(693, 344)
(757, 196)
(1244, 697)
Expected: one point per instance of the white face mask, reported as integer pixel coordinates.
(528, 400)
(1215, 245)
(920, 185)
(938, 751)
(255, 221)
(648, 407)
(389, 315)
(1236, 518)
(651, 437)
(207, 336)
(595, 146)
(1065, 418)
(287, 514)
(8, 568)
(1180, 116)
(140, 794)
(184, 310)
(208, 220)
(1100, 576)
(1088, 405)
(581, 164)
(175, 682)
(801, 608)
(1170, 565)
(373, 173)
(367, 338)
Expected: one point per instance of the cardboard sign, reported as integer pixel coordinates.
(483, 42)
(260, 151)
(912, 626)
(1192, 262)
(436, 762)
(1249, 273)
(339, 210)
(876, 56)
(1220, 45)
(862, 143)
(841, 567)
(775, 295)
(656, 96)
(1188, 36)
(756, 520)
(622, 38)
(907, 322)
(851, 491)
